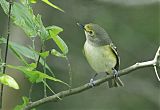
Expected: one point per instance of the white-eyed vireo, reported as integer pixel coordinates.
(101, 53)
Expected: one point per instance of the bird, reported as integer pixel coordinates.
(101, 53)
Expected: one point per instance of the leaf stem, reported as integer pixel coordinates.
(31, 87)
(44, 71)
(51, 90)
(39, 57)
(156, 72)
(69, 71)
(1, 61)
(33, 46)
(30, 92)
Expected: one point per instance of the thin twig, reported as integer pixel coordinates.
(6, 49)
(155, 69)
(1, 61)
(69, 72)
(33, 46)
(89, 86)
(44, 71)
(30, 92)
(39, 57)
(50, 89)
(157, 62)
(31, 87)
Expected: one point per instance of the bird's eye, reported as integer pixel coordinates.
(90, 32)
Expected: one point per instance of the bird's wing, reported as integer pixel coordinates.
(114, 49)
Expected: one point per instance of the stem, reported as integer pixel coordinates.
(6, 49)
(39, 57)
(33, 46)
(44, 70)
(30, 89)
(1, 61)
(30, 92)
(51, 89)
(156, 72)
(69, 72)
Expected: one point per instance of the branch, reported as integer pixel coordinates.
(154, 63)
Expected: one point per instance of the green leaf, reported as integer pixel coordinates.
(19, 56)
(34, 76)
(25, 103)
(9, 81)
(4, 5)
(56, 53)
(52, 5)
(42, 31)
(25, 100)
(54, 31)
(61, 44)
(44, 54)
(22, 15)
(22, 50)
(33, 1)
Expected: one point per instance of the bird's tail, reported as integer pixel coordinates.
(116, 82)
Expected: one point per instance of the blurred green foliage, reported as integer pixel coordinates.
(9, 81)
(134, 27)
(22, 16)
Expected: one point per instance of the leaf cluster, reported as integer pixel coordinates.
(22, 16)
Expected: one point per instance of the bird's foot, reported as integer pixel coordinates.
(115, 73)
(92, 82)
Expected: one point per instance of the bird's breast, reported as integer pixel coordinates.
(100, 58)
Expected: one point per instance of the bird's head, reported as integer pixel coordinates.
(95, 34)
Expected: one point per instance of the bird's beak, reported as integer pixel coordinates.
(81, 26)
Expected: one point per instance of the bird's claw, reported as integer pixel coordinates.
(92, 82)
(115, 73)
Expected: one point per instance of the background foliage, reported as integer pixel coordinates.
(133, 27)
